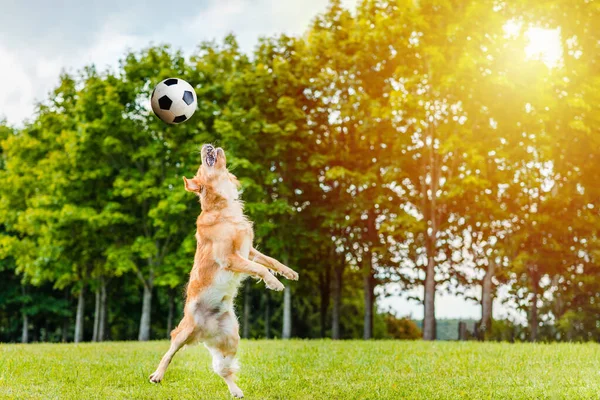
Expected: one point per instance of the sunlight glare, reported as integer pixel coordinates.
(542, 43)
(512, 28)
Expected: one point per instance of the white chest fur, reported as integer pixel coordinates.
(225, 284)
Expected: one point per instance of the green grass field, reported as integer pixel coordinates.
(306, 370)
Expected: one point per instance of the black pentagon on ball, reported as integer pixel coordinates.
(188, 97)
(165, 103)
(171, 82)
(179, 119)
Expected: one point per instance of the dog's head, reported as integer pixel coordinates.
(215, 185)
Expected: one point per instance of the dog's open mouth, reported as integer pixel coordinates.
(211, 156)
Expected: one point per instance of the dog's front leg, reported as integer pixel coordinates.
(238, 263)
(273, 264)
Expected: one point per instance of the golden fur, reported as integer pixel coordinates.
(223, 259)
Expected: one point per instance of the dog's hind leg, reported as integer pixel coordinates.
(223, 349)
(180, 336)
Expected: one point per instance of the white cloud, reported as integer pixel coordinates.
(31, 79)
(250, 20)
(17, 90)
(108, 47)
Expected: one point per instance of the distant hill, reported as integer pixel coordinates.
(447, 329)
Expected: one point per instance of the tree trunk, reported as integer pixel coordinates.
(96, 316)
(25, 327)
(429, 331)
(462, 330)
(144, 333)
(35, 333)
(80, 315)
(267, 315)
(325, 296)
(558, 306)
(533, 318)
(486, 298)
(25, 330)
(171, 311)
(65, 330)
(247, 302)
(286, 332)
(368, 302)
(337, 300)
(369, 278)
(65, 327)
(45, 338)
(429, 323)
(103, 311)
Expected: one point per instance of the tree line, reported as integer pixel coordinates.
(400, 145)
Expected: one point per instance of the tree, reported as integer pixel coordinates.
(351, 64)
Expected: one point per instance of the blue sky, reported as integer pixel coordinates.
(39, 38)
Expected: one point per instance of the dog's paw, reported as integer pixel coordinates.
(274, 284)
(155, 377)
(237, 393)
(289, 274)
(233, 388)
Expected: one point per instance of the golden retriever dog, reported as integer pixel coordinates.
(224, 258)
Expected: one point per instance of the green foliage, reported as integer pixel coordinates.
(398, 145)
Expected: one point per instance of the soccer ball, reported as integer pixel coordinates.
(173, 100)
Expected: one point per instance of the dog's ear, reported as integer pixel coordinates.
(191, 185)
